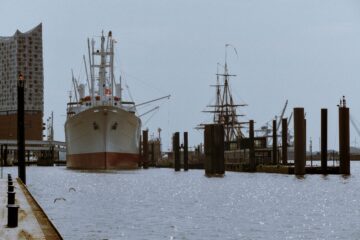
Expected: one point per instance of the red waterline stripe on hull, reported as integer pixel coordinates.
(103, 160)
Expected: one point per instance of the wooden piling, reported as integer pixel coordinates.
(140, 153)
(214, 150)
(299, 141)
(344, 140)
(2, 155)
(252, 161)
(186, 152)
(153, 154)
(274, 150)
(176, 151)
(5, 155)
(145, 150)
(284, 141)
(324, 136)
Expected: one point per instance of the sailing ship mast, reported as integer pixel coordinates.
(224, 109)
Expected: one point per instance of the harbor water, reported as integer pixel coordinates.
(163, 204)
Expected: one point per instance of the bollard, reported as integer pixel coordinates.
(284, 143)
(12, 215)
(11, 197)
(186, 152)
(299, 141)
(344, 140)
(252, 162)
(10, 182)
(274, 150)
(176, 151)
(145, 150)
(11, 188)
(324, 129)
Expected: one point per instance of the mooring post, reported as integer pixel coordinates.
(252, 161)
(284, 141)
(299, 141)
(1, 159)
(305, 143)
(140, 153)
(176, 151)
(5, 155)
(214, 150)
(274, 150)
(145, 150)
(324, 136)
(186, 152)
(152, 154)
(344, 140)
(21, 129)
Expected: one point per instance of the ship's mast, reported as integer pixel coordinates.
(224, 110)
(102, 72)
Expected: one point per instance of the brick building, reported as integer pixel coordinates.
(22, 53)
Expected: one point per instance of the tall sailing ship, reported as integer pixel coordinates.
(102, 131)
(225, 110)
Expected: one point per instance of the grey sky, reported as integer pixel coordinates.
(306, 51)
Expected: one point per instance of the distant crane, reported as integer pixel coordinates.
(353, 123)
(281, 116)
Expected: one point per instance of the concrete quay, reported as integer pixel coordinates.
(32, 221)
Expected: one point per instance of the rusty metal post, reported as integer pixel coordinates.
(252, 161)
(284, 141)
(186, 152)
(324, 136)
(344, 140)
(274, 149)
(145, 150)
(299, 141)
(176, 151)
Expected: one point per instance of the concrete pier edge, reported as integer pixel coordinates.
(48, 228)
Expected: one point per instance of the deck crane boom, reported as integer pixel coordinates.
(281, 115)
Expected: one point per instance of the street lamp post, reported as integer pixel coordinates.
(21, 130)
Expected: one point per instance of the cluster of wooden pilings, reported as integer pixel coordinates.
(214, 148)
(177, 149)
(38, 157)
(300, 142)
(149, 151)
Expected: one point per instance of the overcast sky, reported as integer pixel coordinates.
(306, 51)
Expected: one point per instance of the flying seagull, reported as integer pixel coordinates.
(60, 198)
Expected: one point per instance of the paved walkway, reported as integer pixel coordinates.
(32, 221)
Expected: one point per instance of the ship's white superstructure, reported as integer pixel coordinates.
(102, 131)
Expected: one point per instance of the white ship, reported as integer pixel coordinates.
(102, 131)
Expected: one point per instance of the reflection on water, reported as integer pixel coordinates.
(163, 204)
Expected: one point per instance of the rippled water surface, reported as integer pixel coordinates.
(162, 204)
